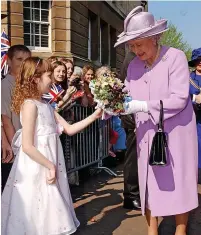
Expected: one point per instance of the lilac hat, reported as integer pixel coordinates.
(140, 24)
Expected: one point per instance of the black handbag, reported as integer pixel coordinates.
(159, 144)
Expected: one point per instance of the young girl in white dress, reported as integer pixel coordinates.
(36, 199)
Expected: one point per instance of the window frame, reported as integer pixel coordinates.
(104, 41)
(109, 46)
(31, 22)
(93, 38)
(89, 38)
(113, 51)
(100, 41)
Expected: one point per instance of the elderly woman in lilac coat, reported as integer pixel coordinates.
(161, 73)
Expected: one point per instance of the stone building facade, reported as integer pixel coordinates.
(84, 31)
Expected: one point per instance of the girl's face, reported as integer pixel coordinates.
(59, 73)
(44, 83)
(69, 68)
(89, 76)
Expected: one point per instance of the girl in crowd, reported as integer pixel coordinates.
(69, 67)
(52, 59)
(60, 74)
(36, 199)
(87, 75)
(59, 93)
(68, 63)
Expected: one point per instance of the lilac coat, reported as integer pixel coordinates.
(172, 189)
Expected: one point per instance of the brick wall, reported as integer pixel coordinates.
(16, 22)
(13, 23)
(4, 21)
(60, 28)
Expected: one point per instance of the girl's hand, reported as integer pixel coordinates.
(51, 177)
(98, 113)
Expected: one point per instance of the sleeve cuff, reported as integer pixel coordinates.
(194, 98)
(145, 107)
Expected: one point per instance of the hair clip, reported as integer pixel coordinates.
(35, 69)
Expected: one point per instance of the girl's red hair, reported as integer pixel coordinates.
(26, 87)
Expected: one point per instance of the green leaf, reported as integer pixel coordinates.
(174, 38)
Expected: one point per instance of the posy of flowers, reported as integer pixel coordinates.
(109, 93)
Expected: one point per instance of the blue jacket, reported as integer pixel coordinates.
(195, 91)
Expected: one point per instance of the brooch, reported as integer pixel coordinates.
(164, 58)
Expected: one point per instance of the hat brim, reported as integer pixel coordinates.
(158, 28)
(192, 63)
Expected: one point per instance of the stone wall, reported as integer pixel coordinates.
(13, 23)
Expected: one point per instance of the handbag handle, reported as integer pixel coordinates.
(161, 121)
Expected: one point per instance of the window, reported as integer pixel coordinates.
(36, 24)
(112, 49)
(93, 37)
(100, 43)
(101, 40)
(104, 42)
(89, 39)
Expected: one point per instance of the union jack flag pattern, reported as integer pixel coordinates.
(5, 45)
(55, 91)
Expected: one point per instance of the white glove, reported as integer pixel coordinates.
(135, 106)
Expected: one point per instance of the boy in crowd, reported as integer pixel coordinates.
(10, 121)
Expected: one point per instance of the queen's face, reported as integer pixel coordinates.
(143, 48)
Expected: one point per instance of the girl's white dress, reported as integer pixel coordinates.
(29, 205)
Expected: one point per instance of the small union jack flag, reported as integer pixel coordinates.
(5, 45)
(54, 93)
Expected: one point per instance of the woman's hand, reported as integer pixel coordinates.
(135, 106)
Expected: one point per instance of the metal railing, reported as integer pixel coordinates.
(89, 147)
